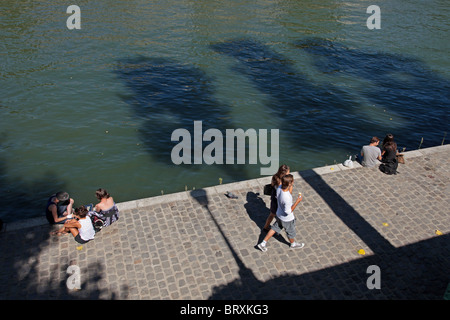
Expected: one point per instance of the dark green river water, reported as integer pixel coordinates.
(96, 107)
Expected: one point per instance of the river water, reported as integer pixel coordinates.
(96, 107)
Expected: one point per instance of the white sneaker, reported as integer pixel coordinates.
(262, 247)
(296, 245)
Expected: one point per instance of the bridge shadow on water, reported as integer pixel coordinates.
(166, 95)
(401, 84)
(319, 116)
(415, 271)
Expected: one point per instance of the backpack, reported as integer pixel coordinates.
(268, 189)
(96, 222)
(103, 219)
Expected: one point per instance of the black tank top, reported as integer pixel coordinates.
(61, 207)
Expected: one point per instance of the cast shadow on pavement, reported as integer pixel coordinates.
(25, 251)
(415, 271)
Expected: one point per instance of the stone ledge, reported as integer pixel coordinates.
(221, 189)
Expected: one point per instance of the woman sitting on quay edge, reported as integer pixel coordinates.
(389, 162)
(106, 209)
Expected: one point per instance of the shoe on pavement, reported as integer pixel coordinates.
(297, 245)
(262, 247)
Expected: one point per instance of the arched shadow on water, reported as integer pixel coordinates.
(166, 95)
(319, 117)
(312, 114)
(402, 84)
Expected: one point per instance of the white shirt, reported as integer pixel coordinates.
(284, 211)
(86, 231)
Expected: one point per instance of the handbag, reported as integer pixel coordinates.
(97, 223)
(349, 162)
(268, 189)
(400, 158)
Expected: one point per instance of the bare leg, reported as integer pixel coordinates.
(269, 220)
(269, 235)
(69, 208)
(74, 231)
(60, 231)
(262, 245)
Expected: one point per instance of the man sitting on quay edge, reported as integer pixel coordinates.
(371, 154)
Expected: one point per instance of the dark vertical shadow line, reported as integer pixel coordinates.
(371, 237)
(201, 197)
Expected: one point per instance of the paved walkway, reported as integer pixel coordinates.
(201, 244)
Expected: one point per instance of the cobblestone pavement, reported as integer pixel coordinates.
(202, 245)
